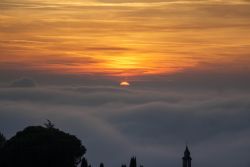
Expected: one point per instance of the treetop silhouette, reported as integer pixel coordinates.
(42, 147)
(2, 140)
(133, 162)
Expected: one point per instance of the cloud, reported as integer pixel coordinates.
(154, 124)
(161, 36)
(207, 105)
(23, 82)
(180, 1)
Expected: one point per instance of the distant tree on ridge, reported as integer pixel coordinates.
(84, 162)
(133, 162)
(2, 140)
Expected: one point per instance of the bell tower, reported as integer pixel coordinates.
(186, 160)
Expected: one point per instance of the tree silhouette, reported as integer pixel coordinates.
(123, 165)
(2, 140)
(133, 162)
(84, 162)
(42, 146)
(101, 165)
(49, 124)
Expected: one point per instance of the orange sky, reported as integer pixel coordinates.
(107, 37)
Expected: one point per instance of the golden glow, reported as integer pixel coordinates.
(125, 83)
(122, 39)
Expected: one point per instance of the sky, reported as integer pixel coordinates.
(186, 62)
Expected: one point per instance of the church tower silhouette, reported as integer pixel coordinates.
(186, 160)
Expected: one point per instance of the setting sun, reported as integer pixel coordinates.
(124, 83)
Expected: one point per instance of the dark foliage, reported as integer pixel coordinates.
(101, 165)
(124, 165)
(49, 124)
(2, 140)
(42, 147)
(84, 162)
(133, 162)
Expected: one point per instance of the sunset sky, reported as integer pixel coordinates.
(123, 38)
(144, 76)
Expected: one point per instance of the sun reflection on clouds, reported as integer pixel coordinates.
(121, 39)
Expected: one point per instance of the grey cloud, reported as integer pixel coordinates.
(116, 123)
(23, 82)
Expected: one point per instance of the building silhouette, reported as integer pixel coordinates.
(186, 160)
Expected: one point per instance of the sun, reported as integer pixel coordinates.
(124, 83)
